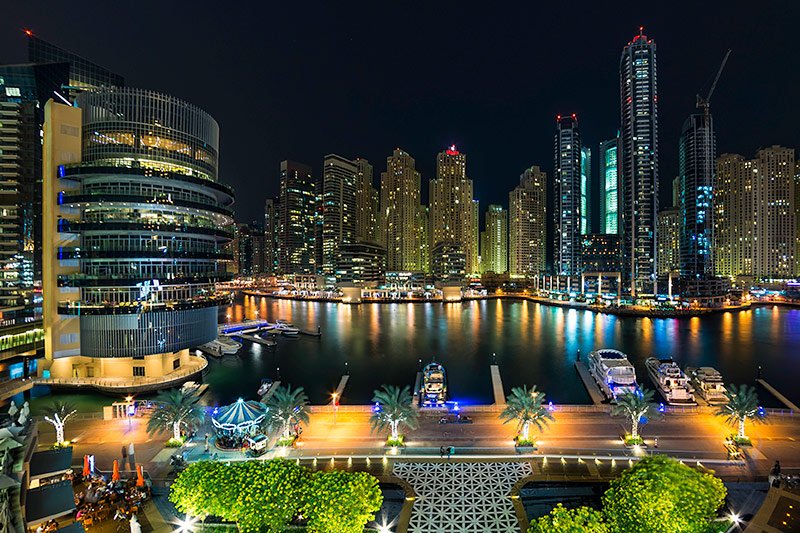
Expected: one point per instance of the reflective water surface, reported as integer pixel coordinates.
(532, 343)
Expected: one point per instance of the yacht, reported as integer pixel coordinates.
(222, 345)
(266, 385)
(612, 371)
(707, 383)
(670, 381)
(286, 329)
(434, 385)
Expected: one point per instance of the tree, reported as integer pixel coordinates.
(525, 406)
(57, 414)
(634, 404)
(394, 409)
(742, 404)
(175, 409)
(563, 520)
(205, 488)
(337, 501)
(662, 494)
(287, 407)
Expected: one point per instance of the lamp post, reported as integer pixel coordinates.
(129, 409)
(335, 407)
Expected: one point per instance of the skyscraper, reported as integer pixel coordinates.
(494, 251)
(609, 187)
(527, 205)
(339, 212)
(567, 196)
(83, 73)
(697, 168)
(586, 190)
(297, 215)
(402, 220)
(755, 215)
(669, 241)
(271, 210)
(366, 203)
(638, 162)
(451, 208)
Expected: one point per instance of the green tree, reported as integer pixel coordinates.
(395, 409)
(742, 404)
(176, 409)
(287, 407)
(525, 407)
(664, 495)
(634, 404)
(57, 414)
(563, 520)
(337, 501)
(206, 488)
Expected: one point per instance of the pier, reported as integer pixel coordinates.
(591, 387)
(417, 385)
(337, 396)
(497, 386)
(271, 391)
(257, 340)
(783, 399)
(254, 326)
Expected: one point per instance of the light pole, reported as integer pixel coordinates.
(129, 409)
(335, 407)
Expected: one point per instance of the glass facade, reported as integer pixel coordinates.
(83, 73)
(609, 195)
(567, 197)
(586, 190)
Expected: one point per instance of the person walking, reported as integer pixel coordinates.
(124, 456)
(206, 443)
(132, 456)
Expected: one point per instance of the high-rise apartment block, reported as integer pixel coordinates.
(638, 163)
(297, 219)
(669, 231)
(366, 203)
(494, 244)
(586, 190)
(403, 222)
(527, 224)
(567, 197)
(339, 212)
(755, 210)
(609, 187)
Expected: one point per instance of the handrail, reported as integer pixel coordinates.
(124, 383)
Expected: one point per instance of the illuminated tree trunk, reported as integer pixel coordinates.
(59, 432)
(176, 430)
(394, 425)
(525, 430)
(741, 427)
(634, 427)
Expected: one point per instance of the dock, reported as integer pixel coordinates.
(783, 399)
(497, 386)
(257, 340)
(417, 385)
(201, 389)
(310, 333)
(340, 388)
(271, 391)
(591, 387)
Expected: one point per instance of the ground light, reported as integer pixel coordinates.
(186, 526)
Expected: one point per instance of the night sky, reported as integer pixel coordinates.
(297, 80)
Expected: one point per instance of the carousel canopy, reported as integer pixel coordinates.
(240, 416)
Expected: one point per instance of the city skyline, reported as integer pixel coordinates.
(505, 129)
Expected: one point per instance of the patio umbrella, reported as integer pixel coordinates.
(86, 470)
(115, 471)
(240, 417)
(12, 409)
(139, 476)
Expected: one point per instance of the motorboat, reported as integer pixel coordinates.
(286, 329)
(266, 385)
(612, 371)
(670, 381)
(708, 384)
(222, 345)
(434, 385)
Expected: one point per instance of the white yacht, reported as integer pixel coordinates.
(434, 385)
(670, 381)
(286, 329)
(707, 383)
(612, 371)
(222, 345)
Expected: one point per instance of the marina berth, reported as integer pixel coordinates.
(670, 381)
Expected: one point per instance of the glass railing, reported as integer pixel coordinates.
(78, 253)
(86, 280)
(67, 199)
(69, 226)
(129, 308)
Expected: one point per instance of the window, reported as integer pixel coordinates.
(176, 364)
(138, 371)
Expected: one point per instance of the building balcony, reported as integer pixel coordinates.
(78, 308)
(85, 280)
(79, 253)
(128, 200)
(71, 226)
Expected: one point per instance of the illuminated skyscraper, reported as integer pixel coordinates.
(403, 223)
(494, 250)
(339, 211)
(366, 203)
(586, 190)
(567, 197)
(609, 187)
(527, 205)
(669, 231)
(638, 162)
(451, 207)
(296, 225)
(271, 210)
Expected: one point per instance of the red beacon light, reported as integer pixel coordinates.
(452, 150)
(28, 32)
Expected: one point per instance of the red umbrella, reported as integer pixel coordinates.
(115, 471)
(139, 476)
(86, 471)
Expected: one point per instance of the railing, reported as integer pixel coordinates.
(69, 226)
(88, 253)
(119, 383)
(81, 308)
(67, 199)
(87, 280)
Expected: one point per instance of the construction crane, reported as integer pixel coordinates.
(705, 103)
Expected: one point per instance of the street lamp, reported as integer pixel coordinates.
(129, 409)
(335, 407)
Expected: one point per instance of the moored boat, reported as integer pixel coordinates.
(708, 384)
(286, 329)
(266, 385)
(670, 381)
(612, 371)
(434, 385)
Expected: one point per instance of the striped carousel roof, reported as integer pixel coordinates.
(240, 416)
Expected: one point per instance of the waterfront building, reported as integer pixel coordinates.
(601, 253)
(669, 230)
(247, 247)
(258, 244)
(366, 203)
(527, 205)
(362, 263)
(609, 184)
(403, 221)
(452, 211)
(406, 282)
(339, 212)
(697, 165)
(83, 74)
(638, 163)
(297, 219)
(586, 190)
(135, 224)
(449, 262)
(494, 246)
(754, 214)
(423, 230)
(271, 210)
(567, 196)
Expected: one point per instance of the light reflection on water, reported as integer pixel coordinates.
(534, 345)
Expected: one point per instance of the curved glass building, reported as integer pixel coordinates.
(140, 232)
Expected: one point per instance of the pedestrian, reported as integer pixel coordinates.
(206, 443)
(132, 456)
(124, 455)
(441, 451)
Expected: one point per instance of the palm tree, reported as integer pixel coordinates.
(635, 404)
(177, 409)
(525, 406)
(57, 414)
(287, 407)
(394, 408)
(742, 404)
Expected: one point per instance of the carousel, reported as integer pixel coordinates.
(237, 422)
